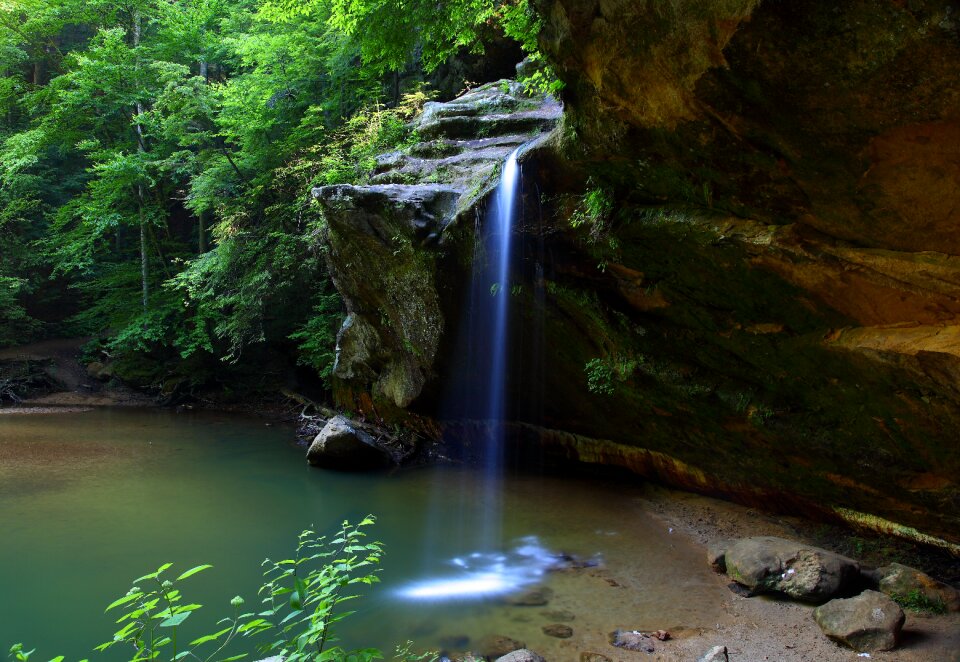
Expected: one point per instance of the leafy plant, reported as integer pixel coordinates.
(593, 210)
(301, 596)
(919, 602)
(302, 601)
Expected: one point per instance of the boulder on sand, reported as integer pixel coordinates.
(868, 622)
(767, 564)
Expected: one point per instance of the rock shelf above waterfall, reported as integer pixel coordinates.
(386, 241)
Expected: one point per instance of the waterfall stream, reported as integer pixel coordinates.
(490, 564)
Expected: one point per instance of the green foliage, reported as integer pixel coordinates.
(156, 160)
(16, 326)
(919, 602)
(602, 374)
(593, 210)
(599, 377)
(301, 596)
(301, 599)
(317, 338)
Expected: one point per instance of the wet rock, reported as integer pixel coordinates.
(868, 622)
(559, 615)
(632, 640)
(534, 597)
(342, 446)
(572, 562)
(522, 655)
(900, 581)
(558, 630)
(775, 565)
(496, 646)
(715, 654)
(594, 657)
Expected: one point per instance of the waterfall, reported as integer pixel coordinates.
(479, 391)
(494, 275)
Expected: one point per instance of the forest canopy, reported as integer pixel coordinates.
(156, 158)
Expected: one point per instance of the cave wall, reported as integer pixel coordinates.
(766, 310)
(782, 260)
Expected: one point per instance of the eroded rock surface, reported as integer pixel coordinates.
(868, 622)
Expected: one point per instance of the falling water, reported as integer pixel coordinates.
(496, 272)
(480, 392)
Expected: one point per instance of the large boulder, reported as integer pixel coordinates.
(340, 445)
(767, 564)
(903, 582)
(868, 622)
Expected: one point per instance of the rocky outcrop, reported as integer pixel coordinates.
(868, 622)
(340, 445)
(761, 298)
(388, 242)
(775, 565)
(784, 182)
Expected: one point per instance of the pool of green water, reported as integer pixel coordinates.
(90, 500)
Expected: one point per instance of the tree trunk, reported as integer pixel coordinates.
(144, 257)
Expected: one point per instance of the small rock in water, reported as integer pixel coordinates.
(534, 597)
(558, 630)
(632, 640)
(559, 615)
(570, 562)
(522, 655)
(594, 657)
(495, 646)
(868, 622)
(662, 635)
(715, 654)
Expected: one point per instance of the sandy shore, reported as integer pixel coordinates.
(765, 629)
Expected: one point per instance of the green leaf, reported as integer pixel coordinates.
(192, 571)
(124, 600)
(210, 637)
(175, 620)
